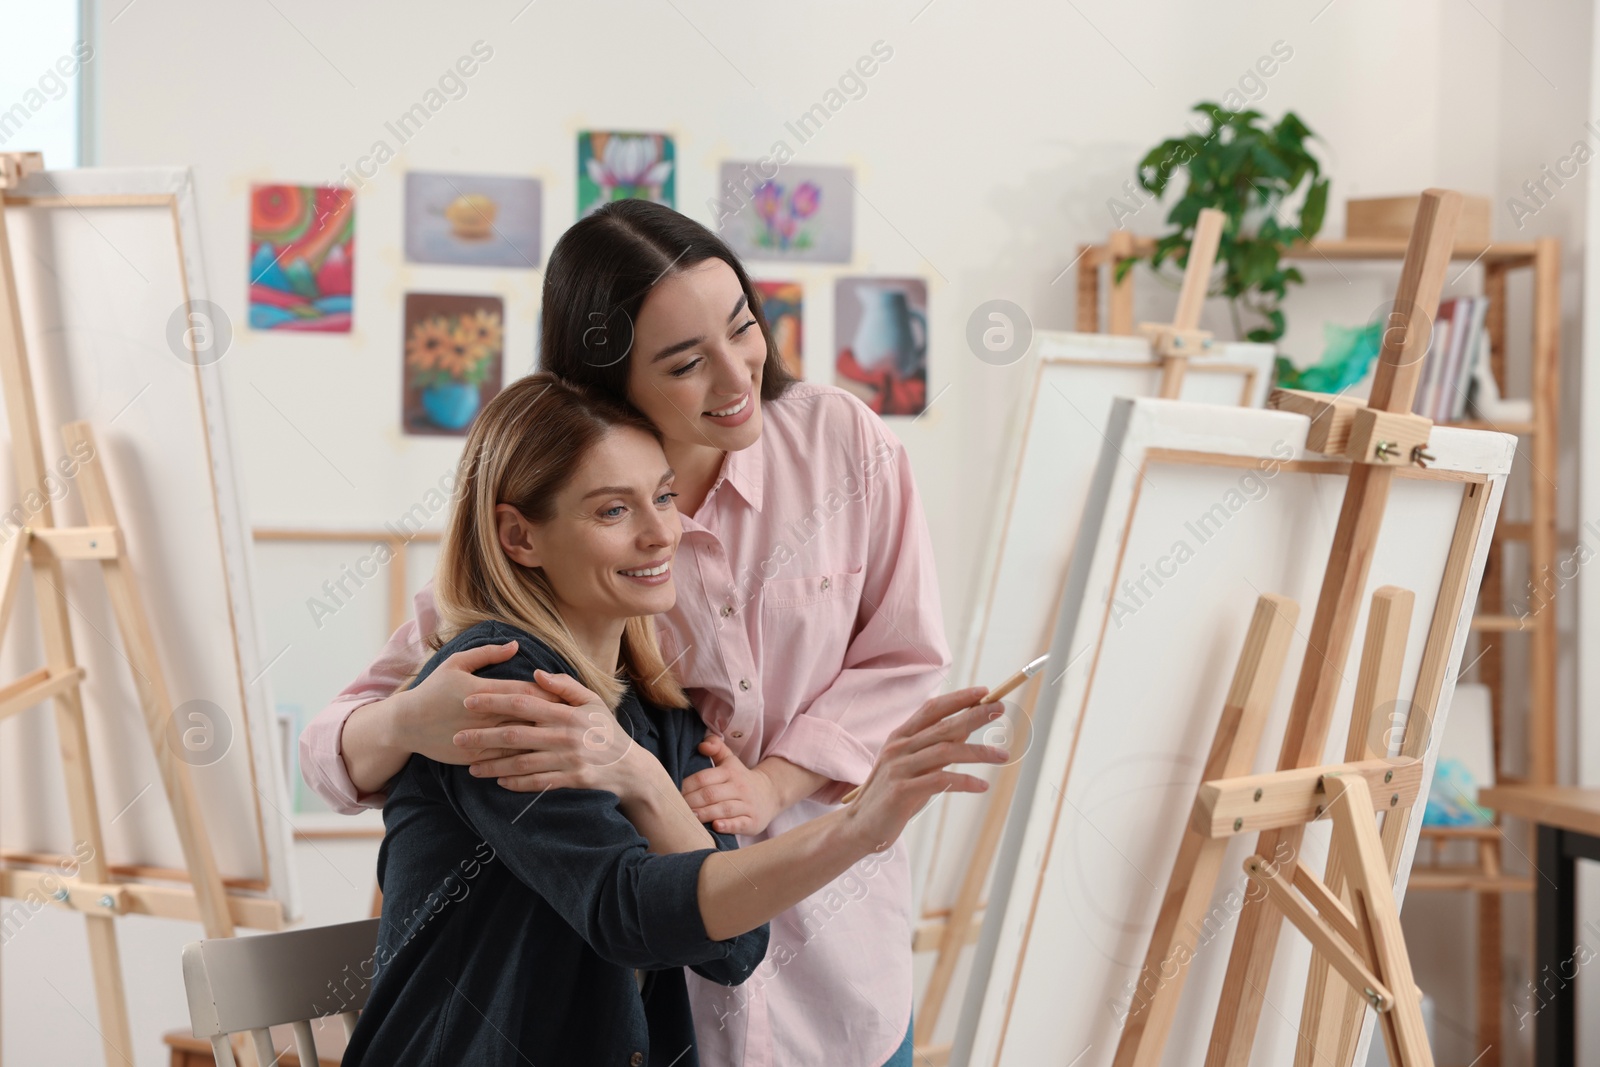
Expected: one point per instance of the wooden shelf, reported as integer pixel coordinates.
(1465, 879)
(1501, 624)
(1506, 253)
(1461, 832)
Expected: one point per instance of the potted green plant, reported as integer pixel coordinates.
(1250, 171)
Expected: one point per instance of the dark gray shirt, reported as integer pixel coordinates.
(514, 923)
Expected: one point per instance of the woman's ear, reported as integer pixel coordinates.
(517, 535)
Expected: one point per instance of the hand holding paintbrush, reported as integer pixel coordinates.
(992, 697)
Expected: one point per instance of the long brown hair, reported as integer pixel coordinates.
(523, 448)
(599, 274)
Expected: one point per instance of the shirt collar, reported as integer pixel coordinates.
(744, 469)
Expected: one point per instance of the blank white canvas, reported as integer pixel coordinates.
(1057, 438)
(1123, 732)
(99, 286)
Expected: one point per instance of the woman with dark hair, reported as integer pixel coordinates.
(557, 930)
(807, 625)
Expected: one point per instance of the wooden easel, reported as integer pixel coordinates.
(1173, 344)
(1361, 939)
(93, 892)
(1182, 338)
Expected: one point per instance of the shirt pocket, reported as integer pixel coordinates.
(806, 626)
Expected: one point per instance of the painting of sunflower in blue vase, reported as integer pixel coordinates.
(453, 347)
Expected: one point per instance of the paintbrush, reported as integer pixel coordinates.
(991, 697)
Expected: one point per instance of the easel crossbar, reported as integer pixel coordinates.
(1291, 798)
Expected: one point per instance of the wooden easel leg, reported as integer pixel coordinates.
(959, 921)
(1322, 1019)
(1372, 894)
(151, 683)
(1199, 861)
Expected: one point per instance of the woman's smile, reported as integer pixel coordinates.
(658, 573)
(734, 414)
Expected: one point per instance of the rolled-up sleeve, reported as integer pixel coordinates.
(898, 657)
(321, 755)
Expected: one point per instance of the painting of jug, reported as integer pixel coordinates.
(881, 329)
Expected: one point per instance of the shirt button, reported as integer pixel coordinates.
(744, 684)
(636, 1059)
(736, 734)
(727, 609)
(824, 583)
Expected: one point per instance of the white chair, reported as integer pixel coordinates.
(247, 984)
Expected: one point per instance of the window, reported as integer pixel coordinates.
(46, 75)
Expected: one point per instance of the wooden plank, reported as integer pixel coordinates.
(930, 932)
(161, 901)
(82, 542)
(1568, 807)
(957, 929)
(1419, 724)
(36, 687)
(1545, 465)
(11, 556)
(1120, 311)
(1360, 517)
(1372, 894)
(1087, 319)
(1279, 799)
(1199, 860)
(1508, 253)
(1328, 945)
(150, 682)
(72, 738)
(1323, 1009)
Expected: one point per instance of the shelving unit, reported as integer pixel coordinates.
(1537, 448)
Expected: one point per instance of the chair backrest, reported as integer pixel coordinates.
(247, 984)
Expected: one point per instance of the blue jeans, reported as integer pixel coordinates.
(902, 1055)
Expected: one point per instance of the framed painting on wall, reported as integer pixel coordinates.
(451, 363)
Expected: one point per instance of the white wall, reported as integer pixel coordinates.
(985, 150)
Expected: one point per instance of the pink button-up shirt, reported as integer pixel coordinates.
(808, 627)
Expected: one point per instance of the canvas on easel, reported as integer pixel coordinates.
(140, 583)
(1194, 513)
(1050, 461)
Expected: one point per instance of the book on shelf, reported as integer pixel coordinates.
(1456, 351)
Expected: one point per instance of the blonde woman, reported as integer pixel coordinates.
(554, 928)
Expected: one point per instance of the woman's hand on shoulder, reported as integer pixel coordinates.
(559, 735)
(732, 798)
(436, 710)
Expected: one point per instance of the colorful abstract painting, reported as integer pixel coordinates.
(783, 304)
(451, 364)
(801, 213)
(472, 220)
(881, 342)
(302, 257)
(625, 166)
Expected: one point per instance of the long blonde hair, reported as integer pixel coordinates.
(523, 448)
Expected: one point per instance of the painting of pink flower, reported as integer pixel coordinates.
(803, 204)
(769, 200)
(782, 215)
(774, 209)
